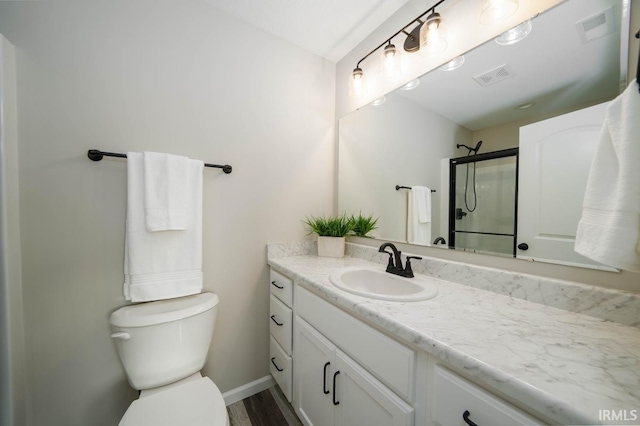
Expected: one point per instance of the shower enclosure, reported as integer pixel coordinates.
(483, 202)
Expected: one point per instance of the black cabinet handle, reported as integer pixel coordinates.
(274, 320)
(334, 388)
(276, 285)
(523, 246)
(324, 379)
(465, 416)
(273, 361)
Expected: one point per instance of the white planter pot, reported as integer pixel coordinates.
(331, 246)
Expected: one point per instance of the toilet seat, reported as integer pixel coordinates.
(194, 403)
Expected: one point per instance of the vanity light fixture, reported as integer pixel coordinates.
(390, 61)
(492, 11)
(515, 34)
(453, 64)
(434, 36)
(411, 85)
(356, 83)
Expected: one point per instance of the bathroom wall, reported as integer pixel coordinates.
(475, 34)
(410, 154)
(178, 77)
(12, 370)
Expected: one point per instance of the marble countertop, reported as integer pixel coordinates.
(563, 365)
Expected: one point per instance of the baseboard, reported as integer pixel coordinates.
(245, 391)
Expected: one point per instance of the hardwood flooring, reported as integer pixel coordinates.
(267, 408)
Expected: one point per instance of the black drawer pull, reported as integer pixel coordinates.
(273, 361)
(334, 388)
(276, 285)
(465, 416)
(274, 320)
(324, 379)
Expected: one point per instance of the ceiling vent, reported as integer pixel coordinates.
(494, 76)
(596, 26)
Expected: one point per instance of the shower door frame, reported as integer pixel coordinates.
(453, 162)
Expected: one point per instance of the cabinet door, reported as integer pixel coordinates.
(313, 375)
(363, 400)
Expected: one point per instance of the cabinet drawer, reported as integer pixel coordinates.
(280, 323)
(281, 287)
(454, 396)
(280, 368)
(390, 361)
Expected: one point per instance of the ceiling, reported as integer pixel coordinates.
(327, 28)
(553, 67)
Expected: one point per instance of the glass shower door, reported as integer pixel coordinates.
(483, 202)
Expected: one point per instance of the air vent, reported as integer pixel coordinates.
(596, 26)
(494, 76)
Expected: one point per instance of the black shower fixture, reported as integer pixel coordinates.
(474, 150)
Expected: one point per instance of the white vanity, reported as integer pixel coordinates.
(467, 356)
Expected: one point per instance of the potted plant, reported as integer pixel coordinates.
(362, 225)
(331, 234)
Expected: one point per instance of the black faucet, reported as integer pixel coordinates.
(395, 261)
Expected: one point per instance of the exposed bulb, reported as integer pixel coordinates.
(433, 36)
(356, 83)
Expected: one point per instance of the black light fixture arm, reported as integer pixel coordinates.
(432, 9)
(97, 155)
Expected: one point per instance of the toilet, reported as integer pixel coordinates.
(163, 346)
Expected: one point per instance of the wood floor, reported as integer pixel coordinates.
(267, 408)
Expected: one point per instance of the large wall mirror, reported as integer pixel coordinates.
(492, 156)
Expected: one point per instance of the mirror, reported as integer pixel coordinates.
(571, 60)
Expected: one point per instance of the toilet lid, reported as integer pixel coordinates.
(195, 403)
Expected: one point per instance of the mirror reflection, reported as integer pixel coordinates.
(491, 156)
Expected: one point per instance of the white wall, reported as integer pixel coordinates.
(409, 143)
(178, 77)
(12, 370)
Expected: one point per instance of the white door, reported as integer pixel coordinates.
(312, 375)
(363, 400)
(555, 157)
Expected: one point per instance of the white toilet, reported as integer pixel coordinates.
(163, 346)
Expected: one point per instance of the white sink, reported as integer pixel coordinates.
(379, 284)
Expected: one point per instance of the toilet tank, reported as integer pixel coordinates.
(165, 341)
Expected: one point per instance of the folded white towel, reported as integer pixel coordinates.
(609, 229)
(165, 191)
(419, 215)
(161, 265)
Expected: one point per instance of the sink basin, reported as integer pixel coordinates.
(378, 284)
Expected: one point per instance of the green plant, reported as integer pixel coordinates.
(362, 225)
(333, 226)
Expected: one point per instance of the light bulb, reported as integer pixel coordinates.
(390, 61)
(433, 36)
(356, 83)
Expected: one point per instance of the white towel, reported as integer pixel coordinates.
(161, 265)
(165, 194)
(609, 230)
(419, 215)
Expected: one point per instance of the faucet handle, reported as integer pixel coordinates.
(408, 271)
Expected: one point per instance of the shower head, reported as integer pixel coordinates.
(471, 150)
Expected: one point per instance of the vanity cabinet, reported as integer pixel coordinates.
(458, 402)
(330, 387)
(280, 328)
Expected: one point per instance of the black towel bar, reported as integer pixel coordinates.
(398, 187)
(97, 155)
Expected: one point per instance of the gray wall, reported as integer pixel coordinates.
(177, 77)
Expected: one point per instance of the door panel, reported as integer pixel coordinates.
(555, 158)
